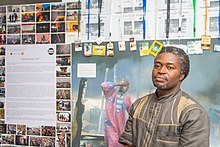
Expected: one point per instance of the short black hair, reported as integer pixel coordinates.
(183, 58)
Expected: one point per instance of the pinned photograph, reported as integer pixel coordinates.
(57, 6)
(28, 39)
(21, 130)
(63, 94)
(11, 129)
(72, 15)
(42, 7)
(14, 29)
(194, 47)
(63, 60)
(42, 27)
(48, 130)
(78, 45)
(58, 27)
(63, 105)
(121, 46)
(3, 128)
(63, 49)
(110, 49)
(68, 139)
(35, 141)
(8, 139)
(87, 49)
(133, 45)
(58, 38)
(2, 28)
(63, 83)
(22, 140)
(27, 17)
(2, 60)
(13, 39)
(72, 26)
(98, 50)
(28, 8)
(2, 103)
(2, 39)
(216, 48)
(2, 9)
(73, 5)
(13, 17)
(13, 8)
(2, 78)
(155, 48)
(63, 117)
(2, 84)
(2, 113)
(42, 16)
(144, 48)
(2, 71)
(28, 28)
(33, 131)
(42, 38)
(58, 16)
(206, 42)
(47, 142)
(63, 127)
(2, 14)
(63, 71)
(60, 140)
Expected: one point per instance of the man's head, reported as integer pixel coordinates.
(124, 86)
(171, 67)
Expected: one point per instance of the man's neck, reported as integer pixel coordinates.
(163, 92)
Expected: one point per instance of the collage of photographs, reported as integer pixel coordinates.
(45, 136)
(2, 84)
(38, 23)
(16, 134)
(63, 94)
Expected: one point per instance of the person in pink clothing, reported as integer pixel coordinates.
(117, 103)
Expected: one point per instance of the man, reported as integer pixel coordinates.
(117, 103)
(169, 117)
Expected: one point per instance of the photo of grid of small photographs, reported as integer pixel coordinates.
(45, 136)
(44, 23)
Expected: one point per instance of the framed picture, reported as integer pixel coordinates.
(155, 48)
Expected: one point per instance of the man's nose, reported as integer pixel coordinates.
(162, 69)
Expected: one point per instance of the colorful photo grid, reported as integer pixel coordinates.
(39, 23)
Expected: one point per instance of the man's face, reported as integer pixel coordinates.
(166, 73)
(124, 88)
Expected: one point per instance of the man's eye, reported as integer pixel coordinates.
(156, 66)
(170, 68)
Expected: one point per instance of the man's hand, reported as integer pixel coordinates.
(121, 83)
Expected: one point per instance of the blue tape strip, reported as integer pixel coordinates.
(144, 16)
(88, 19)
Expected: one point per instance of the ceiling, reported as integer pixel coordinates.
(17, 2)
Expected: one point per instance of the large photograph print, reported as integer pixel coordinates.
(202, 84)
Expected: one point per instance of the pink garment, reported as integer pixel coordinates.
(115, 119)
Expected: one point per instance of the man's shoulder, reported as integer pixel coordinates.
(187, 99)
(187, 103)
(143, 99)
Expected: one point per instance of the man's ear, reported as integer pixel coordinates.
(182, 75)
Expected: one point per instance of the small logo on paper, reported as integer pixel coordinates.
(50, 51)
